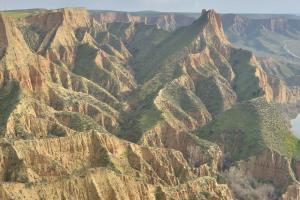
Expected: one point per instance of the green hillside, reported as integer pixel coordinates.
(249, 128)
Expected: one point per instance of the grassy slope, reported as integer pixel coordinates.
(85, 65)
(157, 65)
(164, 55)
(246, 84)
(249, 128)
(143, 117)
(154, 67)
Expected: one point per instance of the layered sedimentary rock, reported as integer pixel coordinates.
(165, 21)
(292, 193)
(273, 38)
(98, 166)
(52, 108)
(70, 81)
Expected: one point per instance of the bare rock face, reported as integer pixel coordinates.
(275, 88)
(105, 184)
(28, 77)
(198, 153)
(69, 81)
(69, 34)
(81, 159)
(271, 165)
(243, 25)
(61, 40)
(165, 21)
(292, 192)
(11, 40)
(56, 142)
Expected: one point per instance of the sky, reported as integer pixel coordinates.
(223, 6)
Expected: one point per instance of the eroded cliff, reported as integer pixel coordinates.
(107, 106)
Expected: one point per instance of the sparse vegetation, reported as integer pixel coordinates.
(246, 84)
(144, 117)
(89, 80)
(33, 36)
(249, 128)
(18, 14)
(210, 94)
(237, 131)
(271, 44)
(78, 122)
(159, 194)
(57, 131)
(9, 97)
(245, 187)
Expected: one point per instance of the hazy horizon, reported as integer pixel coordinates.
(155, 11)
(191, 6)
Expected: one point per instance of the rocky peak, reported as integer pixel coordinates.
(11, 38)
(210, 27)
(58, 28)
(77, 17)
(212, 16)
(72, 17)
